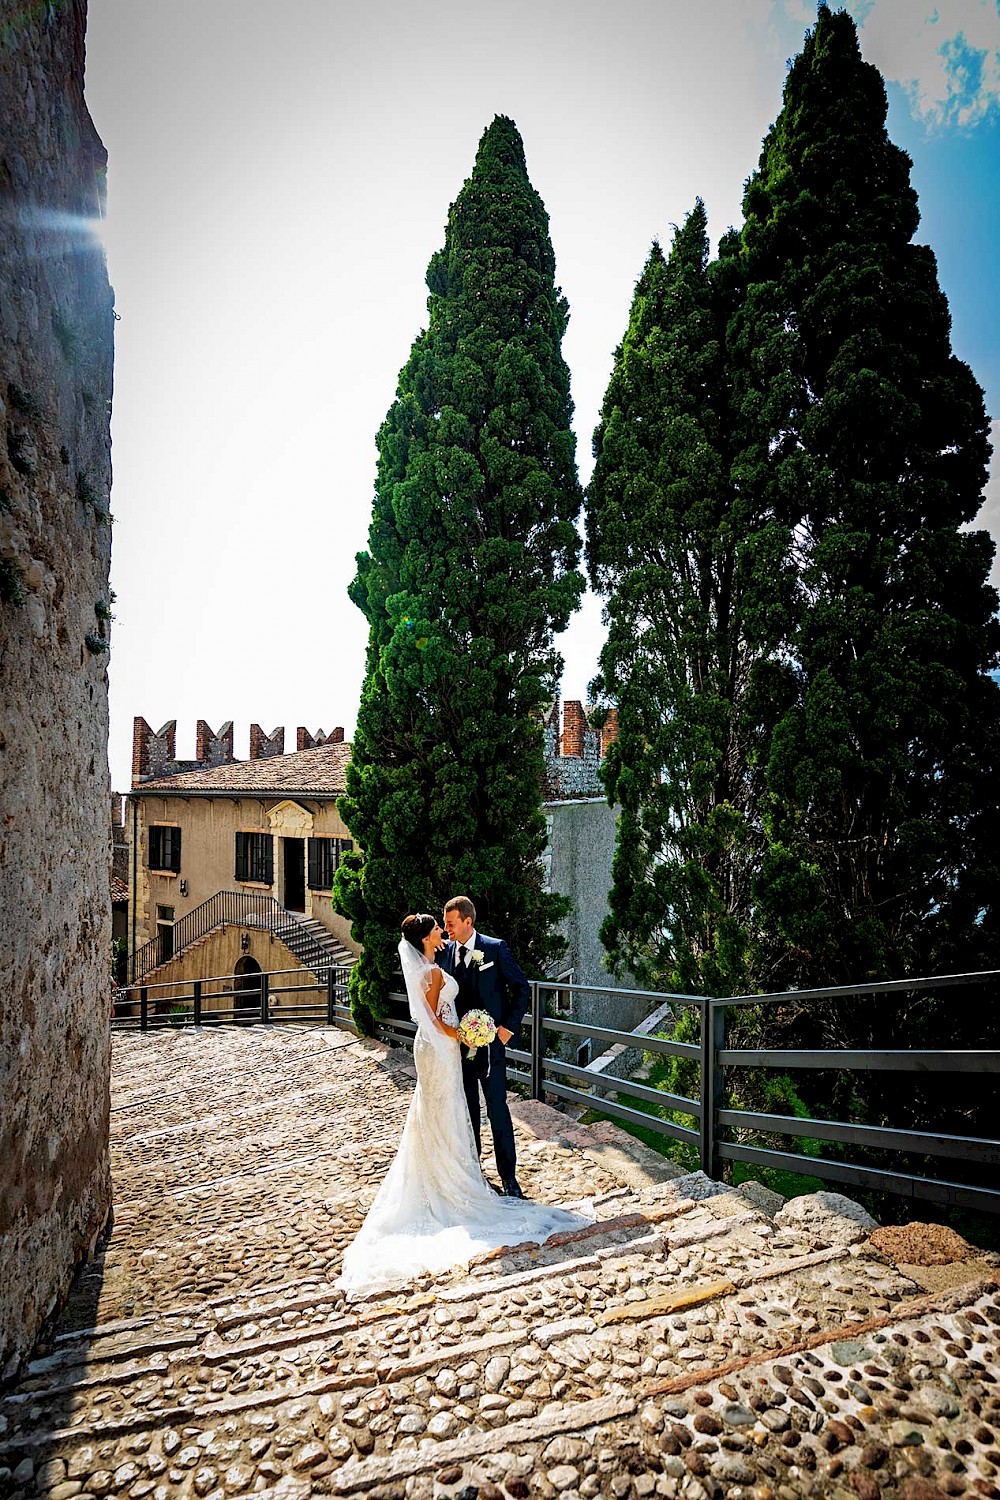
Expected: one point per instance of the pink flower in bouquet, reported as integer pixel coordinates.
(476, 1029)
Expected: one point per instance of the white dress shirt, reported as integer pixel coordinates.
(469, 945)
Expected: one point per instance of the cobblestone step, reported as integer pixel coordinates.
(685, 1343)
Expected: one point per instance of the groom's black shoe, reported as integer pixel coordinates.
(501, 1192)
(512, 1189)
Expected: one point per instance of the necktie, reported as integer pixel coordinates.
(461, 955)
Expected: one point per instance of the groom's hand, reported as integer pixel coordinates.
(504, 1034)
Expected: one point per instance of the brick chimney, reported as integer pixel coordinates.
(152, 752)
(262, 745)
(214, 749)
(574, 727)
(609, 732)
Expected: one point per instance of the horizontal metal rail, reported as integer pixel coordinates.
(660, 996)
(622, 1112)
(623, 1086)
(964, 1148)
(877, 1179)
(631, 1039)
(874, 987)
(863, 1062)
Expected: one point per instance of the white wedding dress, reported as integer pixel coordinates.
(435, 1210)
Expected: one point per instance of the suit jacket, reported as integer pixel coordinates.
(498, 984)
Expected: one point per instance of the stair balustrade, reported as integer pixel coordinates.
(236, 909)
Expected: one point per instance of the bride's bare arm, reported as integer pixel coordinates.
(434, 986)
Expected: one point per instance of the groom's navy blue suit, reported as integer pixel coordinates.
(498, 986)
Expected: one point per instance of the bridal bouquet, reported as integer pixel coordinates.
(476, 1029)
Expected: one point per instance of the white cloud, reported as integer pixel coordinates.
(945, 54)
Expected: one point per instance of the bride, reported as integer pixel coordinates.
(435, 1208)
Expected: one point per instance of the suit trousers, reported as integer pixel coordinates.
(494, 1087)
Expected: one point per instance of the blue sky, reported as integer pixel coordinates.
(278, 181)
(957, 176)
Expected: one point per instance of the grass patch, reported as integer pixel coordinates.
(788, 1184)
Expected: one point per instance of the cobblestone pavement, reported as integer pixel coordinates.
(687, 1344)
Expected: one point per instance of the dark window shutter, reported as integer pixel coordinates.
(241, 857)
(175, 850)
(314, 870)
(268, 858)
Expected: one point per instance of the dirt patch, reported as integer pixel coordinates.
(956, 1273)
(921, 1244)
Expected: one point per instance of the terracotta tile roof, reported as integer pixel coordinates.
(119, 890)
(319, 771)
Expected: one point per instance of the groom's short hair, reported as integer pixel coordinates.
(462, 905)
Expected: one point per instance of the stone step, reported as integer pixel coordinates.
(800, 1421)
(674, 1346)
(236, 1359)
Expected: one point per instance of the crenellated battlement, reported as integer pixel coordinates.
(574, 749)
(154, 754)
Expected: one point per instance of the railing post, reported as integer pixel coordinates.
(713, 1039)
(331, 994)
(265, 1008)
(197, 1002)
(537, 1042)
(143, 1009)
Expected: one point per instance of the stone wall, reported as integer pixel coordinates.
(219, 953)
(575, 744)
(581, 846)
(56, 327)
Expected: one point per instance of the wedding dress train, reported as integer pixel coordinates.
(435, 1210)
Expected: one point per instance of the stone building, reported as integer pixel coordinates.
(581, 846)
(56, 326)
(233, 861)
(265, 834)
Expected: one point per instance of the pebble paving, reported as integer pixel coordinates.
(687, 1344)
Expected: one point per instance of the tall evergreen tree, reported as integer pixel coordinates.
(470, 571)
(867, 439)
(688, 574)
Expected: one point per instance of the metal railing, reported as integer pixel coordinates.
(718, 1133)
(255, 1000)
(225, 908)
(719, 1128)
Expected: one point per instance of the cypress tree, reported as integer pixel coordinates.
(674, 547)
(866, 439)
(471, 569)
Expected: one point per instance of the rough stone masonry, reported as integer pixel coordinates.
(56, 334)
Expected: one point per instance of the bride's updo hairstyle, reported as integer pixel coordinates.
(416, 927)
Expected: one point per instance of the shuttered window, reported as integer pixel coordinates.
(324, 857)
(164, 847)
(255, 857)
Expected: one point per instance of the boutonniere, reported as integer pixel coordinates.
(477, 956)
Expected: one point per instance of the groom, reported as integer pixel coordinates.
(489, 979)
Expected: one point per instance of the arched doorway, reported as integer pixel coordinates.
(246, 1001)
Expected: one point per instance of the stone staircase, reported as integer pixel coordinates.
(312, 944)
(692, 1341)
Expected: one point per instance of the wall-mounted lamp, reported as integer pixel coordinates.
(183, 887)
(245, 942)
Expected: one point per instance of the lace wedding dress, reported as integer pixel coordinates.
(435, 1209)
